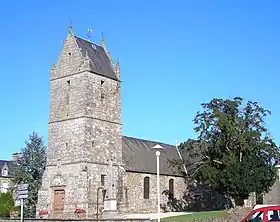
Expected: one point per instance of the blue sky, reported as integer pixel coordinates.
(174, 56)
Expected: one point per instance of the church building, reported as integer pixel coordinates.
(89, 161)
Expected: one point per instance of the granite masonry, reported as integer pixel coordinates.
(85, 133)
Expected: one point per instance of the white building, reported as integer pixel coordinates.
(6, 167)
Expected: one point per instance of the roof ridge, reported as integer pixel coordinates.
(153, 141)
(87, 40)
(6, 160)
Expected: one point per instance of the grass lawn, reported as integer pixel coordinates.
(200, 215)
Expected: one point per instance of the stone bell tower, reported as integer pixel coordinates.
(85, 130)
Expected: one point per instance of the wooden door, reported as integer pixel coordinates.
(58, 201)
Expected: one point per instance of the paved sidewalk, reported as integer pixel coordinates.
(153, 216)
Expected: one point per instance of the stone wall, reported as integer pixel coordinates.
(135, 194)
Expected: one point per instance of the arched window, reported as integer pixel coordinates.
(146, 188)
(171, 188)
(5, 171)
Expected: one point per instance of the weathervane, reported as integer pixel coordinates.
(89, 33)
(70, 26)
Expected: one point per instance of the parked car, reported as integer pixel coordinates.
(263, 213)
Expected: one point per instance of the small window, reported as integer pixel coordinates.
(103, 179)
(102, 96)
(68, 82)
(84, 168)
(69, 53)
(92, 144)
(171, 188)
(5, 171)
(102, 82)
(66, 145)
(146, 188)
(126, 193)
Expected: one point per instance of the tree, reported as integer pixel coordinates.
(238, 152)
(29, 169)
(6, 204)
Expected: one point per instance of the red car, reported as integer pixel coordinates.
(264, 214)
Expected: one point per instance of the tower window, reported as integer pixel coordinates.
(66, 144)
(69, 53)
(126, 193)
(102, 96)
(146, 188)
(103, 179)
(92, 144)
(68, 82)
(102, 82)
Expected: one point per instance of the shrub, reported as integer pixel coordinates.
(6, 204)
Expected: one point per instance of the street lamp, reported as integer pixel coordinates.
(158, 148)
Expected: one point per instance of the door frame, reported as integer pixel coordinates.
(56, 188)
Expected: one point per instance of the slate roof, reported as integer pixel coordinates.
(10, 165)
(139, 157)
(99, 61)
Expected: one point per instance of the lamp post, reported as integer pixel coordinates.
(158, 148)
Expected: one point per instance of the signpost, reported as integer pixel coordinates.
(22, 193)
